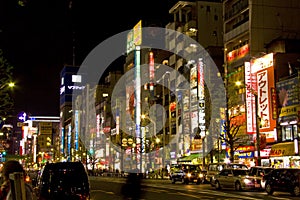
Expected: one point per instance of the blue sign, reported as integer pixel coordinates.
(22, 116)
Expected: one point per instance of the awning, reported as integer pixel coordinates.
(189, 158)
(290, 119)
(283, 149)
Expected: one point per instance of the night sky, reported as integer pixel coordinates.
(37, 40)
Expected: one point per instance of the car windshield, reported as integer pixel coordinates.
(192, 167)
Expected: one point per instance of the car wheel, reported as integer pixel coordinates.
(269, 189)
(238, 186)
(173, 181)
(218, 186)
(296, 191)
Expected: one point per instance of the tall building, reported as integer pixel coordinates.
(202, 22)
(250, 30)
(71, 83)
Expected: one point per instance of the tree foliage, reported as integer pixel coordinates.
(6, 72)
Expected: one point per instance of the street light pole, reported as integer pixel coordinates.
(164, 104)
(257, 131)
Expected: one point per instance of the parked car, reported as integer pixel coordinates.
(188, 173)
(283, 180)
(257, 174)
(232, 178)
(63, 180)
(215, 168)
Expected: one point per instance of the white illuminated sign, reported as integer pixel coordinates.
(263, 98)
(76, 78)
(250, 82)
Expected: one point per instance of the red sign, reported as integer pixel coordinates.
(245, 149)
(238, 53)
(106, 129)
(274, 104)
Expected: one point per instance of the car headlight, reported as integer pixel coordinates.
(247, 181)
(201, 175)
(189, 175)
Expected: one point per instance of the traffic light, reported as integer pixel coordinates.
(3, 153)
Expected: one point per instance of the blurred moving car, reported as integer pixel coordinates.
(283, 180)
(257, 174)
(63, 180)
(215, 168)
(232, 178)
(176, 176)
(188, 173)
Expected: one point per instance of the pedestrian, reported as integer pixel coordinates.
(132, 189)
(10, 167)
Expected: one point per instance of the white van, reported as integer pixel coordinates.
(214, 168)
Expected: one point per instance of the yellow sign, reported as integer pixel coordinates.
(289, 110)
(45, 128)
(137, 33)
(283, 149)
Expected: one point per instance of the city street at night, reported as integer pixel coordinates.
(195, 99)
(107, 188)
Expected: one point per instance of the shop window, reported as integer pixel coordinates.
(287, 133)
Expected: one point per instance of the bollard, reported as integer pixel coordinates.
(17, 186)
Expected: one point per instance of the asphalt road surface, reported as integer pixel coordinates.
(107, 188)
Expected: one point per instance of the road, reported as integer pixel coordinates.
(107, 188)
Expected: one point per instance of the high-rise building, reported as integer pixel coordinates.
(252, 30)
(202, 22)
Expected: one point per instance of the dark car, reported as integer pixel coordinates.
(63, 180)
(283, 180)
(257, 174)
(188, 173)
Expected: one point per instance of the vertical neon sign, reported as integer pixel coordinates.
(201, 114)
(76, 129)
(151, 70)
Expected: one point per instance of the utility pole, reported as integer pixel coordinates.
(257, 130)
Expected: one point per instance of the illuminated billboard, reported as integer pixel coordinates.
(263, 70)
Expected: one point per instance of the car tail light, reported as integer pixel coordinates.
(83, 197)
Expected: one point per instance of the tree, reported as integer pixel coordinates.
(231, 128)
(6, 72)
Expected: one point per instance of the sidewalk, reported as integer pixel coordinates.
(122, 178)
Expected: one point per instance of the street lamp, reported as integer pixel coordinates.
(164, 104)
(252, 91)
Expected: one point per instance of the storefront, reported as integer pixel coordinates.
(285, 155)
(194, 158)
